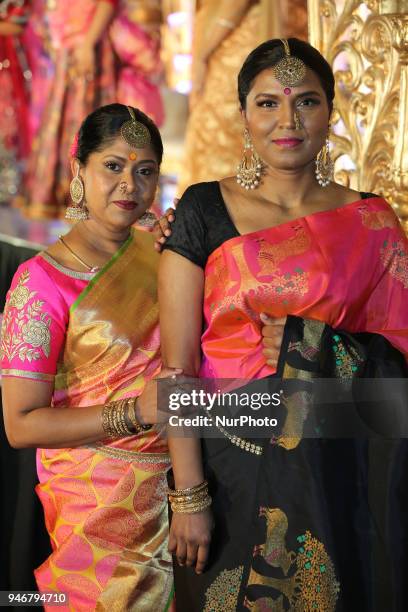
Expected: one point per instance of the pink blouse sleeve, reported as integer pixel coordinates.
(34, 323)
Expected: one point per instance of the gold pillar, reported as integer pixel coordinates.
(367, 45)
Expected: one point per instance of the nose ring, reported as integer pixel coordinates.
(297, 121)
(123, 187)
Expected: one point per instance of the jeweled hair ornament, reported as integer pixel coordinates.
(290, 71)
(134, 132)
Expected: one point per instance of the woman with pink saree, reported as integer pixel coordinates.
(80, 349)
(299, 524)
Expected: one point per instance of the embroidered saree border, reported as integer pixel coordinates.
(28, 374)
(64, 269)
(131, 456)
(101, 272)
(296, 221)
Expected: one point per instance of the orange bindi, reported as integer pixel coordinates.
(132, 156)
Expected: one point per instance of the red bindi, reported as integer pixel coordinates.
(287, 91)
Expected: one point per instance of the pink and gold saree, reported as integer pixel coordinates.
(105, 504)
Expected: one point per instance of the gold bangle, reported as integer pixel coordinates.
(114, 421)
(189, 491)
(191, 508)
(139, 427)
(189, 498)
(106, 422)
(226, 23)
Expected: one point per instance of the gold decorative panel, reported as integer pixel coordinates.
(367, 45)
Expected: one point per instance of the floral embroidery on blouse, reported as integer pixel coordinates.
(395, 259)
(26, 328)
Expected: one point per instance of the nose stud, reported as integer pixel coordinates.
(297, 121)
(123, 187)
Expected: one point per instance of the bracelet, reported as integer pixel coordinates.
(189, 498)
(192, 508)
(114, 420)
(226, 23)
(135, 421)
(192, 499)
(117, 421)
(189, 491)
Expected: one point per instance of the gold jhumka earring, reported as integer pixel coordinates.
(324, 165)
(250, 168)
(77, 211)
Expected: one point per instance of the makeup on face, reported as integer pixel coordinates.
(287, 127)
(120, 179)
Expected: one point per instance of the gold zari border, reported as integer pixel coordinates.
(64, 270)
(125, 455)
(27, 374)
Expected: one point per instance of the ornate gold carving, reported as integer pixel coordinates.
(367, 45)
(26, 329)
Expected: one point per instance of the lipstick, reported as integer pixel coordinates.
(126, 204)
(288, 143)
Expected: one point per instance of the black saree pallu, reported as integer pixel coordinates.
(316, 517)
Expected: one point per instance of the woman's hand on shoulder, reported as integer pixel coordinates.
(162, 228)
(190, 537)
(272, 335)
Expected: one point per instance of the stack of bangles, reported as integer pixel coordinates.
(194, 499)
(119, 419)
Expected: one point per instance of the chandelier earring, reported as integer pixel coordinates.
(250, 167)
(324, 165)
(77, 211)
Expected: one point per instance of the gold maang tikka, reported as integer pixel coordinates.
(134, 132)
(290, 71)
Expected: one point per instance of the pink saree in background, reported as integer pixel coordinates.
(69, 101)
(347, 267)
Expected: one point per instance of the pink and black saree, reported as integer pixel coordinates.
(309, 524)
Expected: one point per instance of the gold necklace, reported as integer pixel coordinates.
(77, 257)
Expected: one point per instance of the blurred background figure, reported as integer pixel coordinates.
(83, 78)
(86, 53)
(14, 101)
(224, 34)
(135, 35)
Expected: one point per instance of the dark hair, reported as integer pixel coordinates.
(103, 126)
(270, 52)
